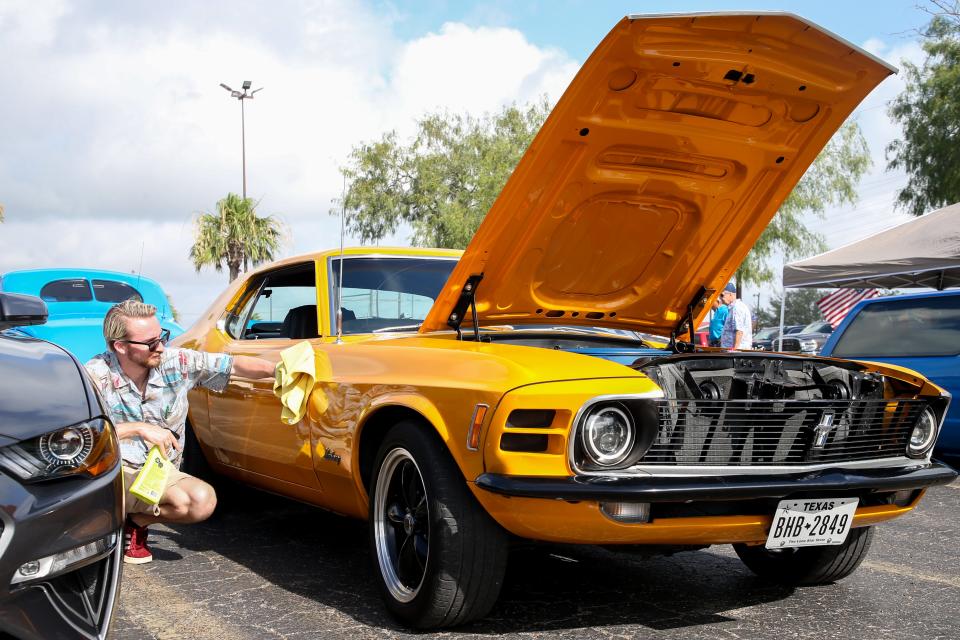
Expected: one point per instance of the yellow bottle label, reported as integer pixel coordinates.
(152, 479)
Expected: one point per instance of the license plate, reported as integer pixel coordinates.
(811, 522)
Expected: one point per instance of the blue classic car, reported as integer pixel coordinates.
(78, 300)
(919, 331)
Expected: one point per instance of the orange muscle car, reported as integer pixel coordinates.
(508, 390)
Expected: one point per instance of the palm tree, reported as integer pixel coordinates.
(235, 236)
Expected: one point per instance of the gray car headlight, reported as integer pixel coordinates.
(88, 447)
(608, 434)
(924, 434)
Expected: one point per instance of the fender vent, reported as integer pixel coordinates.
(531, 418)
(524, 442)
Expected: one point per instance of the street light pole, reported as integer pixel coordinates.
(241, 96)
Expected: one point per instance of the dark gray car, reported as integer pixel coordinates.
(61, 490)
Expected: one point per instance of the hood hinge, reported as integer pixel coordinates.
(686, 322)
(468, 297)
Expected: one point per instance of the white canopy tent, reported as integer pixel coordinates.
(924, 252)
(921, 253)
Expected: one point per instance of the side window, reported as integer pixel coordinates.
(285, 306)
(113, 291)
(904, 328)
(68, 290)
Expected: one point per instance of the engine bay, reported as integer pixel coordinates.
(743, 376)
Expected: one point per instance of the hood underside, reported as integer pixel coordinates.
(657, 171)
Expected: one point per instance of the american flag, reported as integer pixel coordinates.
(837, 305)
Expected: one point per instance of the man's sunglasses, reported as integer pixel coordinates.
(152, 345)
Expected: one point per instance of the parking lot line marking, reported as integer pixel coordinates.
(906, 571)
(157, 607)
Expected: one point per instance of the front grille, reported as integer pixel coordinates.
(789, 344)
(780, 432)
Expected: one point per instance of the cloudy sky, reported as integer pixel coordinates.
(114, 132)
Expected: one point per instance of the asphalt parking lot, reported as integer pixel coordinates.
(264, 567)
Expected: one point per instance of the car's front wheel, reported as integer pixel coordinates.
(439, 558)
(808, 565)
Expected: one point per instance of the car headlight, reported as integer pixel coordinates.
(88, 447)
(808, 345)
(924, 434)
(607, 434)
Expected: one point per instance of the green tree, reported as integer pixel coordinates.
(830, 181)
(929, 112)
(235, 236)
(801, 308)
(443, 182)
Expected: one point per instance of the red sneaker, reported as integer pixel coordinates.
(137, 551)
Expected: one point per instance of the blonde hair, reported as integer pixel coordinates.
(115, 323)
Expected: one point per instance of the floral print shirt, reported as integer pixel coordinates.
(164, 402)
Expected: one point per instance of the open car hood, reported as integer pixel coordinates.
(657, 171)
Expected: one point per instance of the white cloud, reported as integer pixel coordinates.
(30, 23)
(456, 68)
(118, 131)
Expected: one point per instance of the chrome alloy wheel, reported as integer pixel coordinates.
(401, 525)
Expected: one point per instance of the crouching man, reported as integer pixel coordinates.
(144, 386)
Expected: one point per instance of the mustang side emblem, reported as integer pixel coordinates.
(822, 431)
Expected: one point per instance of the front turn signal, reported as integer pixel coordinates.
(476, 427)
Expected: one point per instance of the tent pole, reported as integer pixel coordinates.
(783, 305)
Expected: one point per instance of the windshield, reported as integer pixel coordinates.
(817, 327)
(387, 293)
(766, 333)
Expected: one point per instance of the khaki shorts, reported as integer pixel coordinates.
(135, 504)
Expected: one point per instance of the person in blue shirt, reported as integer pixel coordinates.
(717, 321)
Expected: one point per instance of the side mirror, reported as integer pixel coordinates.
(17, 310)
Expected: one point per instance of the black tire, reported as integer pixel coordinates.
(438, 557)
(808, 565)
(194, 462)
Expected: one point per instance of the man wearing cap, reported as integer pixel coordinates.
(738, 327)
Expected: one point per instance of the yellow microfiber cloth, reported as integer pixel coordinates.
(151, 482)
(299, 369)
